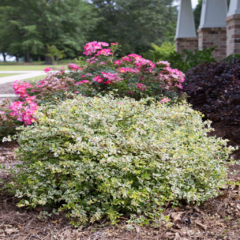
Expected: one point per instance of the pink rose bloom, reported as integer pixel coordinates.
(102, 63)
(74, 67)
(103, 44)
(118, 62)
(112, 77)
(141, 86)
(130, 70)
(104, 52)
(48, 69)
(163, 63)
(164, 100)
(92, 47)
(107, 82)
(98, 79)
(136, 56)
(83, 81)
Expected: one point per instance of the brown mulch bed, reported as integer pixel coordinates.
(215, 219)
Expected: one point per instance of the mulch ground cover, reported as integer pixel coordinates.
(218, 218)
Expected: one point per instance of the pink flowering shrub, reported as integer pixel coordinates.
(99, 73)
(14, 114)
(8, 122)
(31, 96)
(132, 75)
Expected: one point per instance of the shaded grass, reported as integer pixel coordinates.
(7, 74)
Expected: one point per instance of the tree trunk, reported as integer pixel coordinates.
(39, 58)
(4, 56)
(26, 56)
(47, 58)
(17, 59)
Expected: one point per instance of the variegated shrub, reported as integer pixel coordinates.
(96, 157)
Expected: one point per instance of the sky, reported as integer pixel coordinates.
(194, 3)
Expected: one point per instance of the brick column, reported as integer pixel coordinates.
(233, 34)
(213, 37)
(186, 43)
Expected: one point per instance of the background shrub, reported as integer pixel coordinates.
(103, 156)
(182, 62)
(214, 89)
(160, 53)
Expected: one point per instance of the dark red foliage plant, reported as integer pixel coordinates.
(214, 89)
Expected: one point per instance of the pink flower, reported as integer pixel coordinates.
(48, 69)
(62, 68)
(136, 56)
(83, 81)
(114, 44)
(101, 63)
(88, 74)
(105, 52)
(126, 59)
(112, 77)
(92, 60)
(130, 70)
(103, 44)
(20, 88)
(98, 79)
(74, 67)
(118, 62)
(107, 82)
(163, 63)
(92, 47)
(24, 111)
(164, 100)
(141, 86)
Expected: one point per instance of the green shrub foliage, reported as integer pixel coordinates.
(159, 53)
(96, 157)
(182, 62)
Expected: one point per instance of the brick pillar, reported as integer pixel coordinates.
(186, 43)
(213, 37)
(233, 34)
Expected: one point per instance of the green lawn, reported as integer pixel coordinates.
(7, 74)
(28, 67)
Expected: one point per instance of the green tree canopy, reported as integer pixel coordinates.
(36, 24)
(197, 13)
(135, 24)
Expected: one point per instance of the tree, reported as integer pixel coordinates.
(135, 24)
(55, 54)
(37, 24)
(197, 13)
